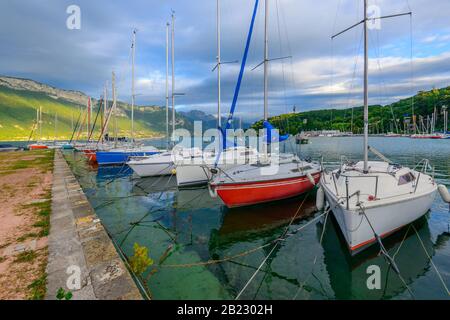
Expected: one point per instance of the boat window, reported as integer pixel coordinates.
(406, 178)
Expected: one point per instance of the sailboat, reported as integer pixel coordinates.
(246, 184)
(121, 155)
(38, 145)
(373, 199)
(162, 164)
(197, 171)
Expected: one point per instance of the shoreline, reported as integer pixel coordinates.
(80, 246)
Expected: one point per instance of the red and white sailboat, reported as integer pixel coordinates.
(271, 177)
(245, 185)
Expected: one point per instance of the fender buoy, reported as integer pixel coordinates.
(311, 179)
(445, 195)
(212, 191)
(320, 199)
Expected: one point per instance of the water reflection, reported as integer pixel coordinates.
(250, 223)
(188, 226)
(348, 275)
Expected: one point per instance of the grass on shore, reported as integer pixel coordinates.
(41, 163)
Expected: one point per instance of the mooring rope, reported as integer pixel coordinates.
(431, 260)
(241, 254)
(277, 241)
(317, 255)
(388, 258)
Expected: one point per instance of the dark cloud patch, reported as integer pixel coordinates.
(36, 44)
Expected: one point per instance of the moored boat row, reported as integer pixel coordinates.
(369, 199)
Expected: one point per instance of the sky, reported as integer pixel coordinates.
(407, 54)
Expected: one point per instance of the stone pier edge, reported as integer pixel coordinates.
(80, 250)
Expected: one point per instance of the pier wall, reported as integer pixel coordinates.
(82, 257)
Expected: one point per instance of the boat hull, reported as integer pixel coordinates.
(246, 194)
(38, 147)
(385, 218)
(90, 154)
(116, 158)
(153, 170)
(192, 175)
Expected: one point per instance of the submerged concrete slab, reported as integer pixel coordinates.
(82, 258)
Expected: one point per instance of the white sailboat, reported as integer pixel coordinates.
(196, 172)
(246, 184)
(373, 199)
(121, 155)
(163, 164)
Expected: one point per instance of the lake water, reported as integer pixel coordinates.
(183, 229)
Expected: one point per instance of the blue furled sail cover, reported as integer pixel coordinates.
(269, 138)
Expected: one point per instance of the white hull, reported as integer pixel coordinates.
(160, 169)
(153, 166)
(385, 219)
(385, 202)
(192, 175)
(198, 173)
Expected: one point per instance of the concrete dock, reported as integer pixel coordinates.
(82, 257)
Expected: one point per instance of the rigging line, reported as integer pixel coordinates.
(280, 10)
(140, 220)
(412, 65)
(355, 66)
(281, 52)
(126, 261)
(393, 257)
(335, 16)
(241, 254)
(431, 260)
(401, 243)
(383, 250)
(273, 248)
(289, 49)
(317, 255)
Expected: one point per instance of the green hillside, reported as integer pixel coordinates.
(18, 115)
(381, 118)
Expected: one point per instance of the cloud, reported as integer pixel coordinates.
(322, 73)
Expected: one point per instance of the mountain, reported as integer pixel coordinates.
(381, 118)
(208, 120)
(20, 98)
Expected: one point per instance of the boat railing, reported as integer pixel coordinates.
(347, 179)
(424, 164)
(358, 192)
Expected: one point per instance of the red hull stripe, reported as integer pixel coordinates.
(265, 184)
(253, 193)
(365, 243)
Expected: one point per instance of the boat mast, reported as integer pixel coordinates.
(173, 72)
(56, 120)
(219, 62)
(40, 123)
(445, 119)
(366, 93)
(266, 59)
(133, 48)
(105, 108)
(351, 124)
(167, 84)
(37, 122)
(114, 107)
